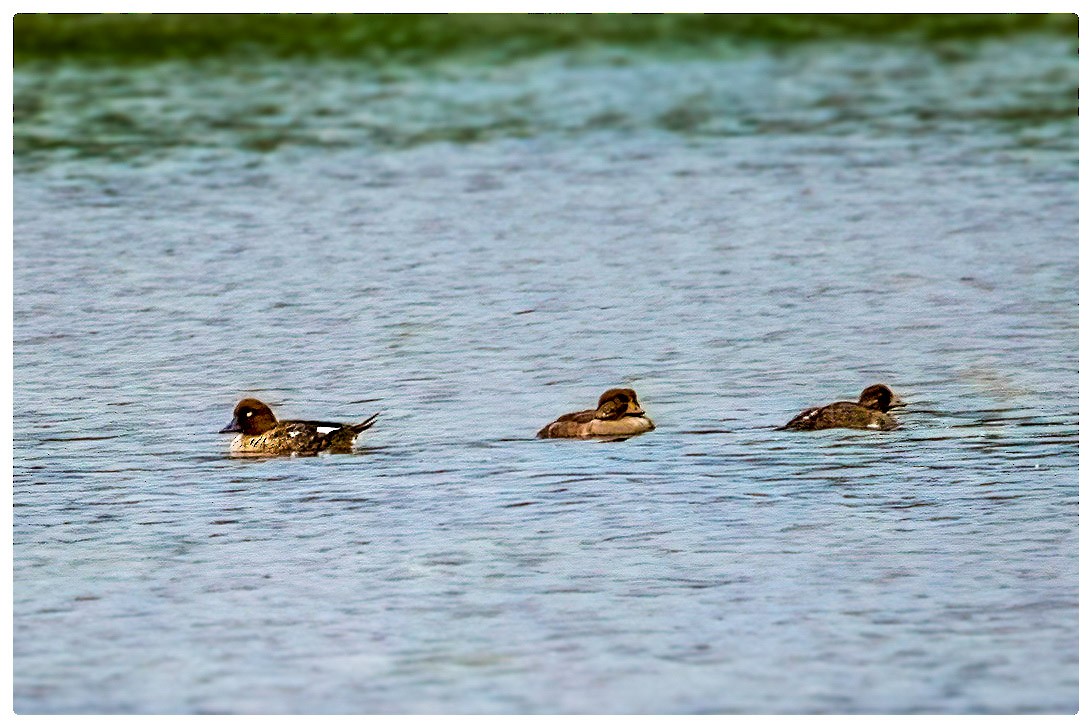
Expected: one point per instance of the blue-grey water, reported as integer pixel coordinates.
(475, 250)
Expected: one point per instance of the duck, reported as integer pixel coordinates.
(260, 432)
(870, 412)
(618, 416)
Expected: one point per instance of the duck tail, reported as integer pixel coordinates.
(366, 424)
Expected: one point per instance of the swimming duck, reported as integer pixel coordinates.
(618, 415)
(870, 412)
(259, 432)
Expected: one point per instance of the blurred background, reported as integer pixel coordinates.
(142, 85)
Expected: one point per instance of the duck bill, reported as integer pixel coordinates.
(232, 427)
(896, 402)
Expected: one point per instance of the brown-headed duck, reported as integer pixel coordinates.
(259, 432)
(870, 412)
(619, 415)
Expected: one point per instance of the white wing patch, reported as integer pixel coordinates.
(326, 430)
(807, 415)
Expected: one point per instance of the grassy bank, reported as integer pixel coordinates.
(141, 38)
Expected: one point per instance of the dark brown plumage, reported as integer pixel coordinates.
(870, 412)
(618, 415)
(259, 432)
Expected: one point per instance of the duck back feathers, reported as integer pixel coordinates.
(618, 415)
(869, 412)
(260, 432)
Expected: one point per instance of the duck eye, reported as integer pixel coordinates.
(249, 413)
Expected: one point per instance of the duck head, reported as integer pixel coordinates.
(618, 403)
(880, 398)
(251, 417)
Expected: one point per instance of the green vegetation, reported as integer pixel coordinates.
(419, 38)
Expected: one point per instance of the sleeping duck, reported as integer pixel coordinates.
(619, 415)
(259, 432)
(870, 412)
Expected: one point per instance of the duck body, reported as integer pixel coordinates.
(259, 432)
(870, 412)
(618, 416)
(841, 414)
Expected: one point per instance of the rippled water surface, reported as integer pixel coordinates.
(473, 251)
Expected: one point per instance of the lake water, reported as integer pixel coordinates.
(474, 250)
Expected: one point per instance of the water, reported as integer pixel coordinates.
(476, 250)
